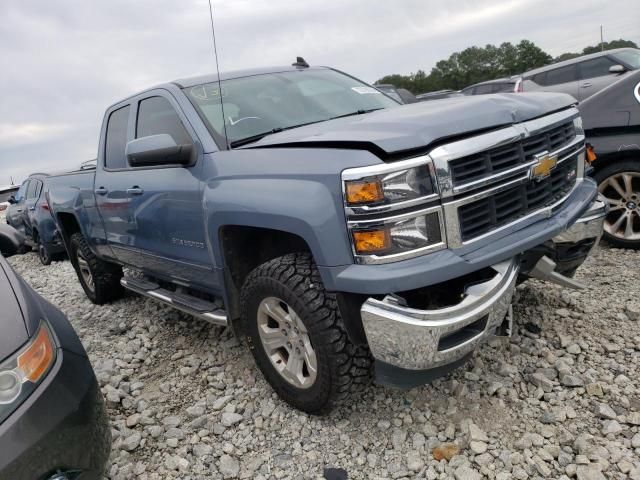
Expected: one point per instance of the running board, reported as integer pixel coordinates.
(197, 307)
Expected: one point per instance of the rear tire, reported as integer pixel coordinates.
(333, 367)
(100, 280)
(619, 181)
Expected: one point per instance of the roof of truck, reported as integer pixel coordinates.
(199, 80)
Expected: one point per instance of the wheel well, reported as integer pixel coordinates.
(245, 248)
(68, 226)
(618, 156)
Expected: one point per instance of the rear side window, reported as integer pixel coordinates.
(503, 87)
(483, 89)
(31, 191)
(561, 75)
(597, 67)
(116, 140)
(155, 116)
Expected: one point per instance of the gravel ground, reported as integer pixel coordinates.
(561, 399)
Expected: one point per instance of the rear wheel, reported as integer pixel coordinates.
(100, 280)
(619, 182)
(297, 336)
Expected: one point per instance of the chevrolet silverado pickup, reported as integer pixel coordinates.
(345, 236)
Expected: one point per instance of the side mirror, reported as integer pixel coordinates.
(157, 150)
(12, 200)
(617, 69)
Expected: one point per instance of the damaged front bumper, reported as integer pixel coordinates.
(412, 346)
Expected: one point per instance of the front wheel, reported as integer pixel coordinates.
(297, 336)
(619, 182)
(100, 280)
(43, 253)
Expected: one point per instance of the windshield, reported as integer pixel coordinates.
(630, 57)
(261, 104)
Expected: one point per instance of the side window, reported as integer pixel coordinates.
(483, 89)
(597, 67)
(540, 78)
(156, 116)
(38, 189)
(561, 75)
(31, 191)
(22, 191)
(116, 140)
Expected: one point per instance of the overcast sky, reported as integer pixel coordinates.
(62, 62)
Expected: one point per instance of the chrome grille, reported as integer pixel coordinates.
(480, 165)
(482, 216)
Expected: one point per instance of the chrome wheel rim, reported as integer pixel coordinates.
(622, 190)
(85, 271)
(286, 342)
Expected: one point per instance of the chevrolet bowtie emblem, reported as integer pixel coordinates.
(545, 163)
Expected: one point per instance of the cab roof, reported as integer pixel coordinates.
(199, 80)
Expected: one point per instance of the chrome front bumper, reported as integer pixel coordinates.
(589, 225)
(415, 339)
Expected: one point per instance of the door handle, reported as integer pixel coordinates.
(585, 85)
(101, 191)
(135, 190)
(31, 209)
(19, 210)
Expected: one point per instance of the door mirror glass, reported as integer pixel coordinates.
(617, 69)
(159, 149)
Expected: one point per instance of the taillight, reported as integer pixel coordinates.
(45, 206)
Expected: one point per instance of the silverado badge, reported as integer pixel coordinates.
(543, 166)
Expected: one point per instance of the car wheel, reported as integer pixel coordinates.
(619, 182)
(297, 336)
(100, 280)
(43, 253)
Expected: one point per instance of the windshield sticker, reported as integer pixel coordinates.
(207, 92)
(366, 90)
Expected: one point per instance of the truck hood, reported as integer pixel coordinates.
(12, 327)
(419, 125)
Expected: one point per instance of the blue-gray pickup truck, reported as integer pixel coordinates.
(344, 236)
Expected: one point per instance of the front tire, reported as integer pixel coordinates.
(297, 336)
(43, 252)
(100, 280)
(619, 182)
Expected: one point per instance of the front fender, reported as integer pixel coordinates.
(308, 208)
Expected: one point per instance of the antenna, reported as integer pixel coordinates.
(215, 53)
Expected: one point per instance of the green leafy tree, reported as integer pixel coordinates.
(610, 46)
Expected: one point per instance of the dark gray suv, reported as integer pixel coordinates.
(53, 422)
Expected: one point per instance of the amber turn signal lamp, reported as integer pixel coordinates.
(36, 360)
(364, 192)
(371, 241)
(591, 155)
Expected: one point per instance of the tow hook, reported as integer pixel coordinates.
(545, 270)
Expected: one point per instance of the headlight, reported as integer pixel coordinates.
(375, 241)
(20, 375)
(400, 186)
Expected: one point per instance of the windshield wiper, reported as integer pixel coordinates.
(260, 136)
(357, 112)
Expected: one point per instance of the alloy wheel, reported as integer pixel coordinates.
(622, 190)
(85, 271)
(285, 340)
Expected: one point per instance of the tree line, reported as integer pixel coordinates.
(478, 64)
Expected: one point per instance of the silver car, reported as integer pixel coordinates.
(583, 76)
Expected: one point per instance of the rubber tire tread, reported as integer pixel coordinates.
(600, 176)
(343, 368)
(106, 276)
